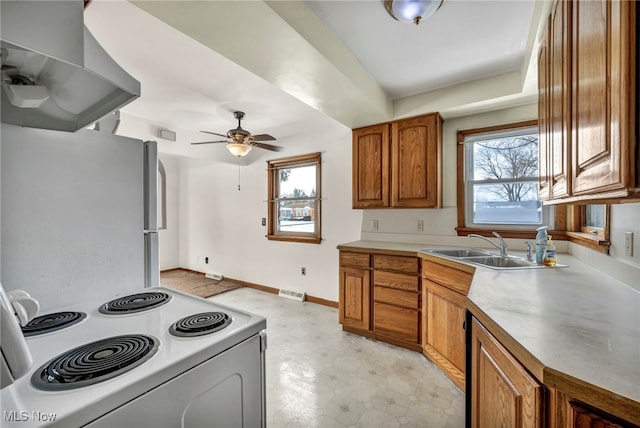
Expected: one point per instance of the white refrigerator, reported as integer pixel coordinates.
(78, 214)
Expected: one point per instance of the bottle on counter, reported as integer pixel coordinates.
(550, 253)
(541, 243)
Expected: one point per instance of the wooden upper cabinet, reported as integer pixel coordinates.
(588, 114)
(544, 192)
(371, 166)
(559, 99)
(416, 146)
(604, 79)
(398, 164)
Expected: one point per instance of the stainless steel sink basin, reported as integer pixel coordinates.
(498, 262)
(486, 258)
(459, 252)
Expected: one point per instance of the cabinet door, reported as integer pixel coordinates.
(503, 393)
(543, 118)
(443, 335)
(371, 166)
(559, 99)
(355, 298)
(603, 94)
(416, 144)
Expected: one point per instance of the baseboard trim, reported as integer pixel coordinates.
(308, 298)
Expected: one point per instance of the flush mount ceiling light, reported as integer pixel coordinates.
(239, 149)
(412, 10)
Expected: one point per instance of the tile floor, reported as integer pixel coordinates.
(320, 376)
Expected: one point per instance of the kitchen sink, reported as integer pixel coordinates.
(498, 262)
(459, 252)
(487, 259)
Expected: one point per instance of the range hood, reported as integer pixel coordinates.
(55, 75)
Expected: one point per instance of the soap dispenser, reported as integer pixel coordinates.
(541, 243)
(550, 253)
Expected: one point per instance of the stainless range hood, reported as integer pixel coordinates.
(55, 75)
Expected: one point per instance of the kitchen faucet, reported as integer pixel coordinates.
(502, 246)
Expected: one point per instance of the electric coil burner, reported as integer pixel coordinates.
(200, 324)
(134, 303)
(95, 362)
(52, 322)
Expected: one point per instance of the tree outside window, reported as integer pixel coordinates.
(501, 177)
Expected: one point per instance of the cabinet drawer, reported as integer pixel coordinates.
(446, 276)
(406, 299)
(400, 323)
(354, 259)
(400, 281)
(396, 263)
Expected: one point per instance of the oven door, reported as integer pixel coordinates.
(224, 391)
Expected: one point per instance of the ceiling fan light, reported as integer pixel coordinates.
(238, 149)
(412, 10)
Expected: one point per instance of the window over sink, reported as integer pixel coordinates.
(499, 167)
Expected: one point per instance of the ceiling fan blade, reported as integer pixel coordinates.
(211, 142)
(262, 137)
(214, 133)
(267, 146)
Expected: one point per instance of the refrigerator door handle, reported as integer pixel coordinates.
(151, 260)
(150, 185)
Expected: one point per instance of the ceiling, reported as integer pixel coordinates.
(307, 68)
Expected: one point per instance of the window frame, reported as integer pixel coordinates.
(579, 233)
(273, 173)
(508, 231)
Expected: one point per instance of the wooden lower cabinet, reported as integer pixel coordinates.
(354, 309)
(355, 298)
(503, 393)
(445, 286)
(443, 332)
(566, 412)
(396, 296)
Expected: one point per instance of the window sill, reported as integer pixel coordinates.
(585, 239)
(590, 241)
(301, 239)
(558, 235)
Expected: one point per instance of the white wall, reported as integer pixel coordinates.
(223, 223)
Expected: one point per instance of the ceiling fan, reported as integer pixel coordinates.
(240, 142)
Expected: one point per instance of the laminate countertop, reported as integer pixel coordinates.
(576, 329)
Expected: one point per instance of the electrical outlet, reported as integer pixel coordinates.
(303, 271)
(206, 260)
(420, 226)
(374, 224)
(264, 221)
(628, 244)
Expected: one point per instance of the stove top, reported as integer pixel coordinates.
(135, 303)
(94, 362)
(52, 322)
(172, 356)
(200, 324)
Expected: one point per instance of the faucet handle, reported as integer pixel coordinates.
(529, 251)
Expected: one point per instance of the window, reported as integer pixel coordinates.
(294, 199)
(588, 225)
(500, 178)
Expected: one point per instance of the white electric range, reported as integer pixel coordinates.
(194, 363)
